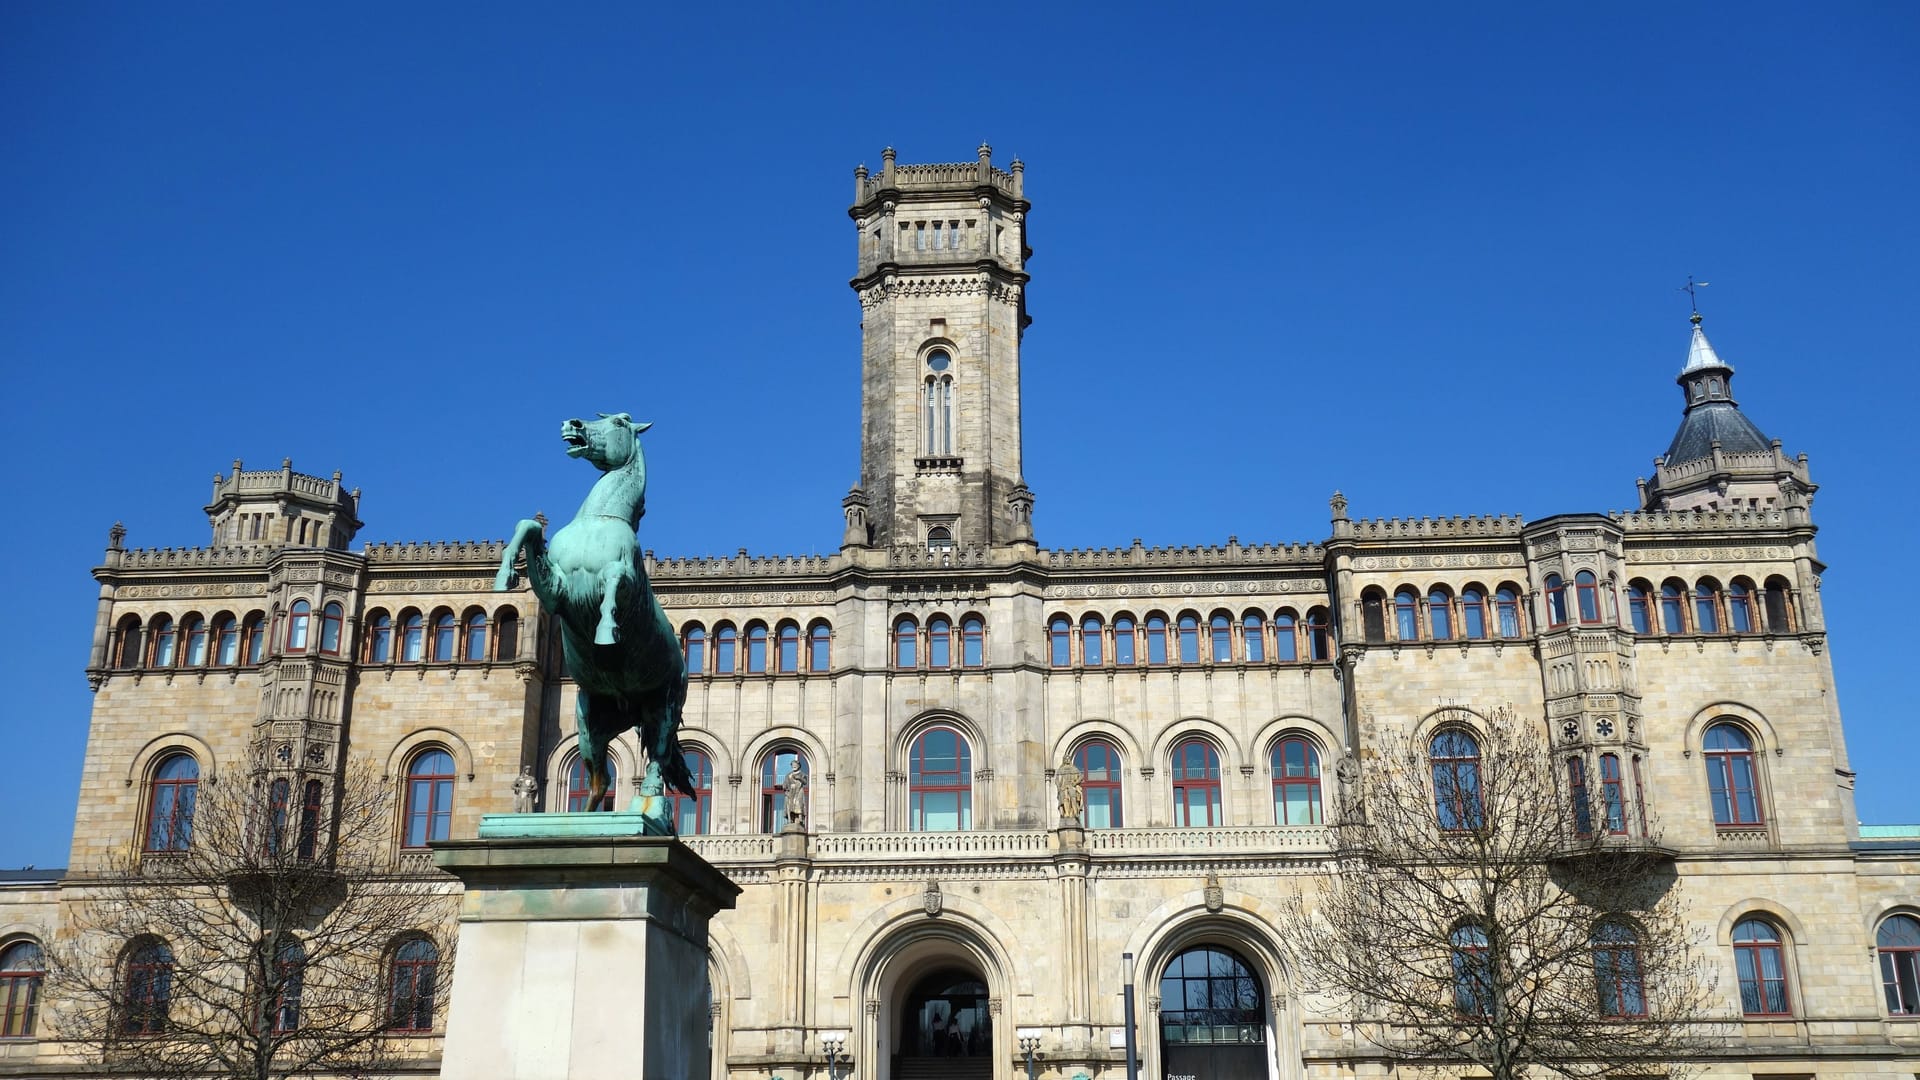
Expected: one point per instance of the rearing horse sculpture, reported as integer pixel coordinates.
(621, 650)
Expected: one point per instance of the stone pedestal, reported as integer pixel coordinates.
(582, 952)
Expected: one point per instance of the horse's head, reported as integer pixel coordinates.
(609, 442)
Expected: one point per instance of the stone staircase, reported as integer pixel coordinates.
(911, 1068)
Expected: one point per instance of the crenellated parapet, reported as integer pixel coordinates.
(1186, 556)
(201, 558)
(1470, 527)
(1667, 521)
(437, 551)
(740, 565)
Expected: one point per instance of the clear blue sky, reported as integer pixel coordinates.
(1425, 254)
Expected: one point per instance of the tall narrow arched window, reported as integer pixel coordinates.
(1440, 614)
(973, 641)
(1156, 639)
(412, 985)
(726, 641)
(279, 794)
(413, 637)
(1189, 628)
(253, 635)
(1639, 607)
(1740, 607)
(1706, 606)
(906, 643)
(128, 646)
(298, 618)
(775, 764)
(146, 988)
(506, 634)
(1586, 591)
(1406, 615)
(1455, 757)
(1581, 797)
(1373, 615)
(1319, 634)
(311, 807)
(937, 411)
(1472, 972)
(1060, 642)
(820, 647)
(580, 786)
(446, 636)
(693, 643)
(757, 649)
(940, 782)
(429, 807)
(163, 641)
(379, 638)
(1196, 784)
(1295, 766)
(1099, 763)
(285, 985)
(1761, 964)
(194, 630)
(1613, 794)
(174, 790)
(1556, 600)
(939, 642)
(1898, 943)
(1092, 652)
(1673, 608)
(1617, 971)
(1125, 639)
(1506, 610)
(23, 967)
(475, 634)
(1778, 607)
(1253, 636)
(1286, 640)
(1731, 779)
(1220, 637)
(332, 623)
(1473, 613)
(693, 814)
(787, 653)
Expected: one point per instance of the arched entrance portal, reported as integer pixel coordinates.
(1213, 1020)
(946, 1024)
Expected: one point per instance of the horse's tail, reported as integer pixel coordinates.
(673, 767)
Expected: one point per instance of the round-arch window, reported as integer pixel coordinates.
(938, 360)
(1209, 997)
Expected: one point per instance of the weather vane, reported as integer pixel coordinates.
(1691, 288)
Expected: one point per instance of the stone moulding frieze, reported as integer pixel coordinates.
(917, 287)
(1633, 521)
(208, 591)
(686, 603)
(431, 585)
(1185, 557)
(1176, 589)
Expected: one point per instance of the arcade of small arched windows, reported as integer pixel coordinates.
(755, 648)
(1438, 613)
(1708, 607)
(1188, 639)
(439, 636)
(942, 643)
(159, 641)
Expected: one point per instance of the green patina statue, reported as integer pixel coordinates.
(621, 651)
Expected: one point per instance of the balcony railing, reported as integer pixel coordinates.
(1018, 843)
(1219, 838)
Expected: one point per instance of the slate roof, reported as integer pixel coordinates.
(1712, 420)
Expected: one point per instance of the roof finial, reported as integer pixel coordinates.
(1692, 289)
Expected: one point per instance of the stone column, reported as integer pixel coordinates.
(579, 955)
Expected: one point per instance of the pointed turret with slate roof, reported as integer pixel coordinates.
(1720, 459)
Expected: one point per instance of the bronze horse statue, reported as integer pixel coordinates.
(621, 650)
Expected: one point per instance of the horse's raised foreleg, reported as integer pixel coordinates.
(608, 631)
(531, 535)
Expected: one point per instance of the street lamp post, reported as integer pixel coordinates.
(1126, 976)
(834, 1044)
(1028, 1045)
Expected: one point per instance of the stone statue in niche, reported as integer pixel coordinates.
(524, 789)
(794, 787)
(1073, 797)
(620, 646)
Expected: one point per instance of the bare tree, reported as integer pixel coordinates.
(261, 942)
(1490, 907)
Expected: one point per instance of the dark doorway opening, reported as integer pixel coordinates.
(947, 1016)
(1213, 1017)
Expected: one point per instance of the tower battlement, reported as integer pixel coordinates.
(280, 506)
(938, 180)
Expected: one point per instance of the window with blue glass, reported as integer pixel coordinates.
(940, 782)
(429, 807)
(1731, 778)
(1455, 758)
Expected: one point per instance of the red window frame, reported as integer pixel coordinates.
(279, 795)
(1586, 589)
(429, 798)
(726, 649)
(1188, 628)
(164, 636)
(1751, 953)
(23, 967)
(1613, 795)
(446, 638)
(127, 650)
(1406, 615)
(1253, 636)
(939, 642)
(757, 649)
(1126, 641)
(195, 631)
(693, 646)
(1220, 637)
(332, 628)
(1506, 612)
(1196, 771)
(1099, 763)
(1639, 609)
(1060, 641)
(1740, 608)
(312, 805)
(146, 995)
(1724, 775)
(1673, 608)
(906, 641)
(1899, 963)
(700, 767)
(299, 623)
(973, 642)
(380, 638)
(773, 783)
(1286, 637)
(255, 633)
(1557, 614)
(820, 648)
(580, 785)
(506, 634)
(1578, 795)
(1473, 610)
(1440, 614)
(1290, 777)
(1619, 972)
(1319, 635)
(1157, 640)
(181, 793)
(473, 637)
(1459, 802)
(283, 1010)
(412, 985)
(787, 649)
(923, 781)
(1093, 651)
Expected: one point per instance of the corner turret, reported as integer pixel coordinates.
(280, 507)
(1719, 459)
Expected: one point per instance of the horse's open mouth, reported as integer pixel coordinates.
(576, 442)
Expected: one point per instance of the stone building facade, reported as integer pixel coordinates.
(934, 678)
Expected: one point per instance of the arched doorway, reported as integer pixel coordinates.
(1213, 1017)
(946, 1026)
